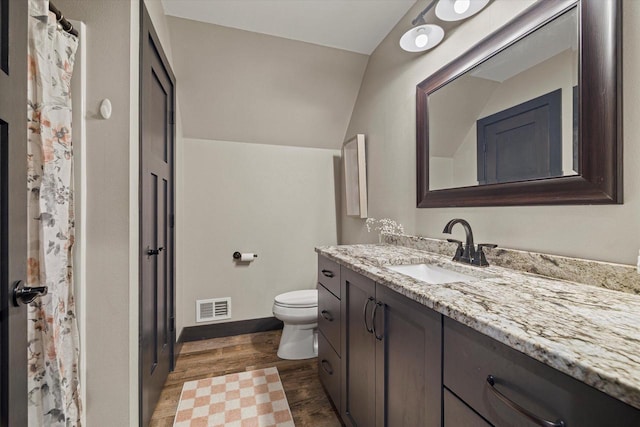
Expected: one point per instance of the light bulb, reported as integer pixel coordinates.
(422, 40)
(461, 6)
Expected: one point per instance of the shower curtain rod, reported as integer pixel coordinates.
(66, 25)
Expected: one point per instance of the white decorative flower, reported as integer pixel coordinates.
(384, 226)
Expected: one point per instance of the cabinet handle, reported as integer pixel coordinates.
(326, 366)
(529, 415)
(373, 321)
(327, 273)
(326, 315)
(364, 314)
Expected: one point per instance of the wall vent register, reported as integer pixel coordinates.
(213, 309)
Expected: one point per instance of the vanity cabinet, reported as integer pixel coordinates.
(329, 328)
(471, 357)
(392, 357)
(411, 350)
(386, 360)
(359, 385)
(329, 275)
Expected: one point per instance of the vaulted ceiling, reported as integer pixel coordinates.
(353, 25)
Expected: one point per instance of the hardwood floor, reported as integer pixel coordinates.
(309, 404)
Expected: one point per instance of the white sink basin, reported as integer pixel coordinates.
(431, 273)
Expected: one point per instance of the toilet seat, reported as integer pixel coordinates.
(307, 298)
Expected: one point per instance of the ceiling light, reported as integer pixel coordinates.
(456, 10)
(421, 38)
(461, 6)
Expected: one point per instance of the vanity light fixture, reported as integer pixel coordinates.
(421, 38)
(427, 36)
(456, 10)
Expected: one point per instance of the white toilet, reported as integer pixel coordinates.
(299, 312)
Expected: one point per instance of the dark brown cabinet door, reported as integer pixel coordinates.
(157, 331)
(13, 210)
(392, 362)
(457, 414)
(409, 362)
(358, 394)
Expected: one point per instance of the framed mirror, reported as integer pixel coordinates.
(355, 176)
(531, 115)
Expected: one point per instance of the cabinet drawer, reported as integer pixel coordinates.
(470, 357)
(329, 275)
(329, 317)
(329, 370)
(457, 414)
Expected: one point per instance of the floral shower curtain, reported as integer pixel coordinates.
(54, 389)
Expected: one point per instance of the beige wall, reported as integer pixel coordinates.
(441, 172)
(241, 86)
(107, 347)
(110, 319)
(276, 201)
(160, 24)
(252, 107)
(385, 111)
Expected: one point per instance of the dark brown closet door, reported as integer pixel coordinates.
(157, 329)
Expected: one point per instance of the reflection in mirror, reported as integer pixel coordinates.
(511, 118)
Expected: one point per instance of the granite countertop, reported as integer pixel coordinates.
(587, 332)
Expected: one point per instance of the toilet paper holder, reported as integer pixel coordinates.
(238, 255)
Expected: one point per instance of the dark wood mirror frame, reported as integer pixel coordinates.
(600, 113)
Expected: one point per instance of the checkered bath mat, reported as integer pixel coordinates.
(245, 399)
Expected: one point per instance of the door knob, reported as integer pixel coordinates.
(154, 251)
(26, 294)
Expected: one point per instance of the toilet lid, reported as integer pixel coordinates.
(303, 299)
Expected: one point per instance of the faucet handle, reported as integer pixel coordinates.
(459, 249)
(486, 245)
(480, 259)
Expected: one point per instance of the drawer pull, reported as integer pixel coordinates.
(364, 314)
(326, 366)
(510, 403)
(326, 315)
(373, 321)
(328, 273)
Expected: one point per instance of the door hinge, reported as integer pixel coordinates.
(172, 324)
(172, 117)
(172, 221)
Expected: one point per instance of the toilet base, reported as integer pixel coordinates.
(298, 342)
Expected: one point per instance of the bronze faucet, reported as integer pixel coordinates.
(469, 254)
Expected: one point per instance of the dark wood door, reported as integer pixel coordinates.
(157, 294)
(408, 362)
(13, 210)
(358, 394)
(521, 143)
